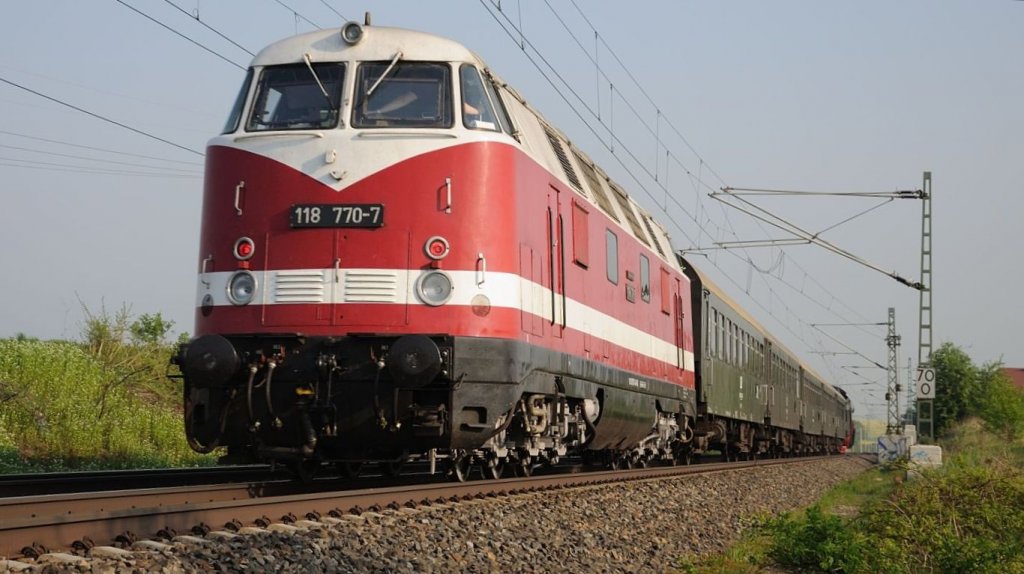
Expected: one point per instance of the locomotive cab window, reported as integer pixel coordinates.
(297, 97)
(477, 110)
(236, 110)
(499, 105)
(403, 95)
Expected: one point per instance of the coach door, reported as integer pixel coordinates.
(556, 261)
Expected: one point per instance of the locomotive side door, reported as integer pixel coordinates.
(556, 261)
(769, 380)
(679, 324)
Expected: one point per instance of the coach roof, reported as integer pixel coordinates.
(378, 43)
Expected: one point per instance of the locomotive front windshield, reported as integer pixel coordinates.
(403, 94)
(296, 97)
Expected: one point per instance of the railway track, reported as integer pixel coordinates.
(33, 525)
(36, 484)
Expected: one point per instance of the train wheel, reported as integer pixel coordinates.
(459, 469)
(350, 469)
(391, 468)
(523, 467)
(494, 468)
(305, 469)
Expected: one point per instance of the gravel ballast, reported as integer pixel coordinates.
(628, 527)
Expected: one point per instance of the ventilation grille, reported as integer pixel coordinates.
(299, 287)
(595, 187)
(563, 159)
(654, 236)
(369, 286)
(627, 210)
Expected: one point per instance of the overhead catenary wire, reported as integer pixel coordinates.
(210, 28)
(95, 159)
(659, 115)
(298, 15)
(94, 148)
(179, 34)
(519, 37)
(100, 117)
(526, 42)
(50, 166)
(629, 171)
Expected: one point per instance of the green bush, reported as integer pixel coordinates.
(818, 542)
(963, 390)
(966, 517)
(62, 407)
(957, 519)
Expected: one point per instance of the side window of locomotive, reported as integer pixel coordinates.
(236, 110)
(477, 111)
(503, 117)
(645, 278)
(612, 244)
(580, 235)
(294, 97)
(403, 95)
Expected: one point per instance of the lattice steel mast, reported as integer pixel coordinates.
(894, 423)
(925, 414)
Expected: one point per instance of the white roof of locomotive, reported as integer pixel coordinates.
(327, 45)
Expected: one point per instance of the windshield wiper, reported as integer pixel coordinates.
(384, 75)
(323, 90)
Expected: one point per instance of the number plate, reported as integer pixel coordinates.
(337, 215)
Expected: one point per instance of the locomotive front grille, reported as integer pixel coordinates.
(370, 286)
(299, 287)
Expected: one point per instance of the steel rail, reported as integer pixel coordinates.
(83, 481)
(56, 522)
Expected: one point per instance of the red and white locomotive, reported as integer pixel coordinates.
(401, 259)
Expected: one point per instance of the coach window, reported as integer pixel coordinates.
(477, 111)
(722, 340)
(612, 244)
(645, 279)
(403, 95)
(296, 97)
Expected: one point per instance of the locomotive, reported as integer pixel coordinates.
(400, 259)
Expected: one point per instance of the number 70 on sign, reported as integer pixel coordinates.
(925, 383)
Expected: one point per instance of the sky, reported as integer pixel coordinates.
(674, 99)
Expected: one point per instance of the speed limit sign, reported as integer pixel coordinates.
(925, 383)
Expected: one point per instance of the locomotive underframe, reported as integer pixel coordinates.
(493, 401)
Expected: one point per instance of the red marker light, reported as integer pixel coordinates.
(437, 247)
(244, 248)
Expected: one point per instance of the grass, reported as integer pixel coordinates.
(750, 555)
(966, 517)
(62, 408)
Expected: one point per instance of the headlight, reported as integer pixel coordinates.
(352, 33)
(434, 288)
(241, 288)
